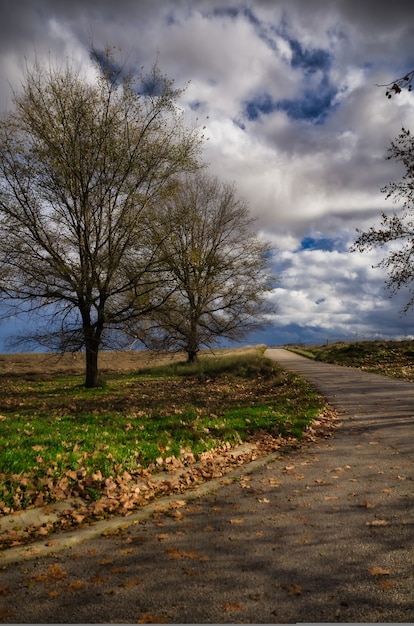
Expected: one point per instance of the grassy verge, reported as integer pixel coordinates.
(60, 440)
(390, 358)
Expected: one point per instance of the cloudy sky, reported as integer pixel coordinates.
(286, 89)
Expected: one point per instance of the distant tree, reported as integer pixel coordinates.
(219, 267)
(397, 228)
(80, 163)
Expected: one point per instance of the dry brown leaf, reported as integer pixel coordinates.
(378, 571)
(273, 482)
(236, 520)
(385, 584)
(152, 618)
(56, 572)
(162, 536)
(75, 585)
(368, 505)
(377, 522)
(293, 590)
(177, 504)
(184, 554)
(131, 582)
(232, 606)
(264, 500)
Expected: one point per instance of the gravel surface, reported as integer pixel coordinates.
(319, 534)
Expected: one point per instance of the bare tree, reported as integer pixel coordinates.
(80, 163)
(219, 266)
(397, 228)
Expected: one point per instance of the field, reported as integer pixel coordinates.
(152, 414)
(390, 358)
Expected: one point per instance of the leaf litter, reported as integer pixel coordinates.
(120, 495)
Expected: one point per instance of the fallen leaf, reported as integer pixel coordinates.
(232, 606)
(177, 504)
(273, 482)
(75, 585)
(264, 501)
(236, 520)
(131, 582)
(378, 571)
(152, 618)
(54, 593)
(162, 536)
(377, 522)
(385, 584)
(56, 572)
(293, 590)
(368, 505)
(184, 554)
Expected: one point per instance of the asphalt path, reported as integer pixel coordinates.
(323, 533)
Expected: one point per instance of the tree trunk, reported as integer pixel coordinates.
(191, 356)
(91, 359)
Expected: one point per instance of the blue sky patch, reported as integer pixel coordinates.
(324, 243)
(309, 60)
(262, 104)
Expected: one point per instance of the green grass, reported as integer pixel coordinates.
(390, 358)
(54, 430)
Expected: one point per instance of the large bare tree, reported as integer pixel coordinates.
(397, 228)
(81, 160)
(219, 266)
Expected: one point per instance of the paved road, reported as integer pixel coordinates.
(321, 534)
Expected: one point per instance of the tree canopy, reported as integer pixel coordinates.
(397, 228)
(81, 162)
(218, 265)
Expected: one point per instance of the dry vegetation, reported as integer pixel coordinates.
(390, 358)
